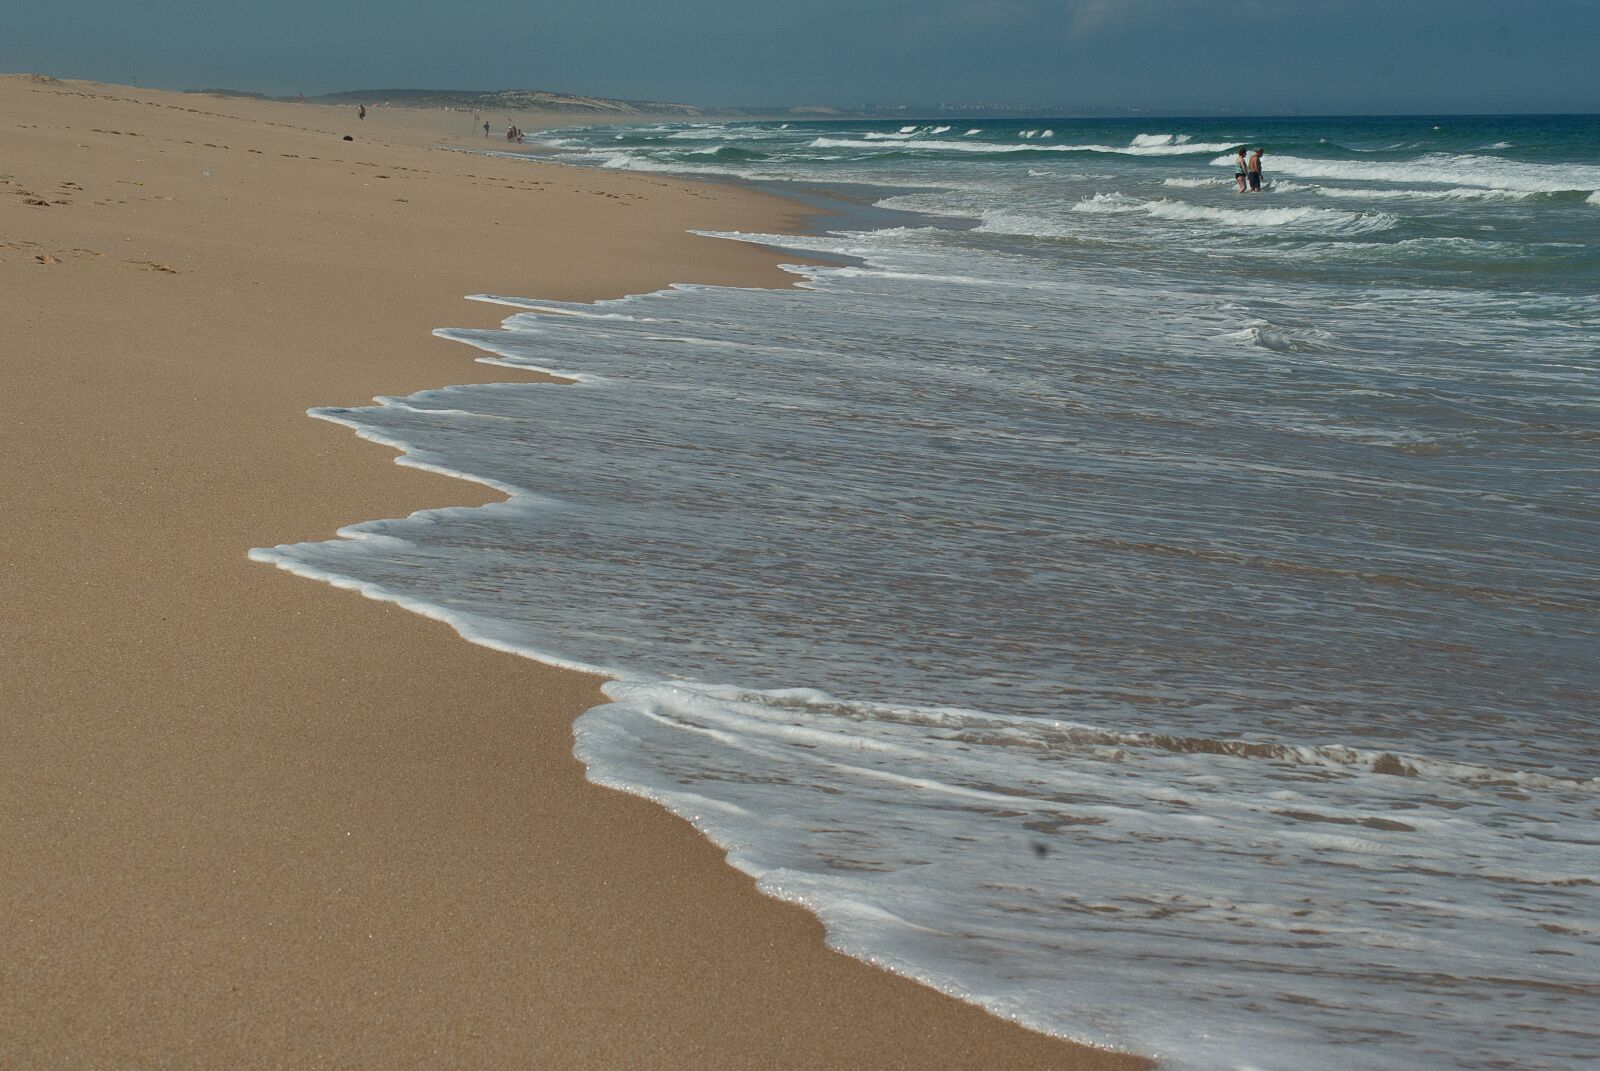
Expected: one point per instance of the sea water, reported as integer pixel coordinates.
(1165, 616)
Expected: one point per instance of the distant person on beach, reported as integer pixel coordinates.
(486, 128)
(1255, 171)
(1240, 171)
(361, 112)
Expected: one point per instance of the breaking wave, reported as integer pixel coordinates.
(1444, 169)
(1310, 218)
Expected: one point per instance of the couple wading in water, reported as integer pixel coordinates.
(1248, 172)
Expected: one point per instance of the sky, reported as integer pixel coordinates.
(1162, 56)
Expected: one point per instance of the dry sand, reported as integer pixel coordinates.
(249, 820)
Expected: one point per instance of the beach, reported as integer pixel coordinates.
(248, 820)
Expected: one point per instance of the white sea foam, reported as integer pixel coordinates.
(1307, 218)
(1185, 525)
(1444, 169)
(701, 133)
(1459, 193)
(926, 144)
(1280, 338)
(1453, 252)
(1012, 221)
(1149, 140)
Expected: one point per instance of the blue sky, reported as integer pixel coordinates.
(1172, 56)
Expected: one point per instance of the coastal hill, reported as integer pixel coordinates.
(487, 100)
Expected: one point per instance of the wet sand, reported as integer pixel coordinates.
(250, 820)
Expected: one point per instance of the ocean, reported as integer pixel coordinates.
(1167, 617)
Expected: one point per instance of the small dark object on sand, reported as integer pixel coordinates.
(347, 137)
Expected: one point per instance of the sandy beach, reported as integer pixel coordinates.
(248, 820)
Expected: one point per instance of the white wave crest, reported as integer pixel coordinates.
(1458, 193)
(1318, 219)
(1279, 338)
(998, 221)
(1444, 169)
(1150, 140)
(699, 133)
(939, 145)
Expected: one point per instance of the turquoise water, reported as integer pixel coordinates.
(1163, 615)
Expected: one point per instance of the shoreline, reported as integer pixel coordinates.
(254, 821)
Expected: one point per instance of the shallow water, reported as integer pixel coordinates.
(1164, 616)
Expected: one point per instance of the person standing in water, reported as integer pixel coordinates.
(1255, 170)
(1240, 170)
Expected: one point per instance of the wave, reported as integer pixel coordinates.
(1164, 149)
(1148, 140)
(1264, 334)
(728, 152)
(1458, 193)
(1188, 212)
(699, 133)
(624, 160)
(1001, 221)
(1446, 253)
(1444, 169)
